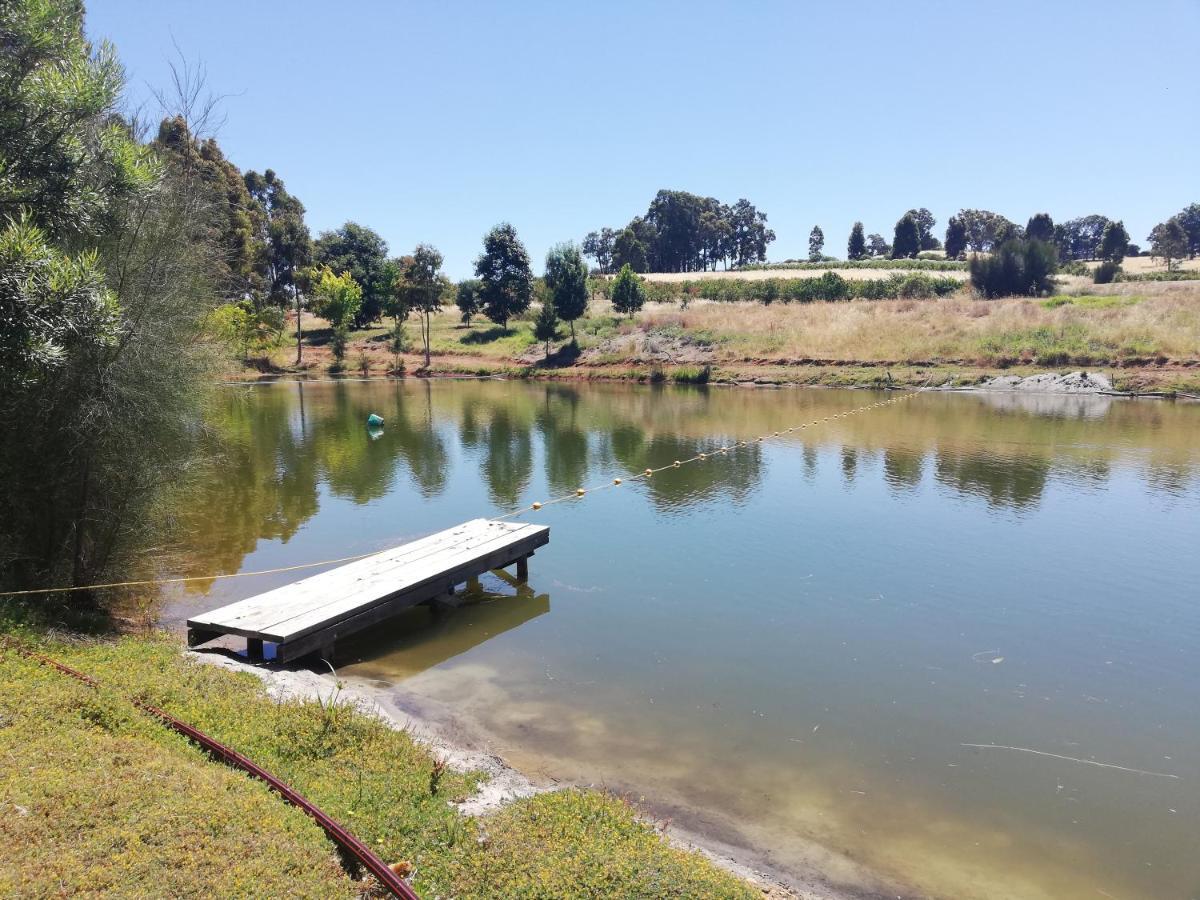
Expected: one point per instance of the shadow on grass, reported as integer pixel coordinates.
(486, 336)
(560, 358)
(318, 337)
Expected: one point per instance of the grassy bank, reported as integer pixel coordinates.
(98, 799)
(1147, 336)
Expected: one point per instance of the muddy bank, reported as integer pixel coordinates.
(466, 746)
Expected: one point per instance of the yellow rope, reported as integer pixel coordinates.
(576, 494)
(581, 492)
(158, 581)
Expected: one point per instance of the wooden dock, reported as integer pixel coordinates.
(308, 617)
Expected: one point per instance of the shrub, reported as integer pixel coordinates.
(1018, 268)
(1075, 267)
(1106, 272)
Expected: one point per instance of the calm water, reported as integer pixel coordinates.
(786, 647)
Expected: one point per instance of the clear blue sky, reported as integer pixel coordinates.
(434, 121)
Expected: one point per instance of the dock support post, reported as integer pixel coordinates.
(254, 648)
(523, 568)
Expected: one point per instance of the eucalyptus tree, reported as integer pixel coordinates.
(424, 286)
(504, 273)
(599, 246)
(286, 241)
(816, 243)
(1169, 241)
(566, 278)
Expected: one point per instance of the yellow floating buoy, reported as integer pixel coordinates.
(704, 456)
(537, 506)
(649, 472)
(616, 481)
(579, 492)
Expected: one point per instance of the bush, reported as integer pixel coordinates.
(1075, 267)
(1018, 268)
(1106, 272)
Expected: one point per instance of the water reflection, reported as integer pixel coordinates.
(790, 631)
(278, 448)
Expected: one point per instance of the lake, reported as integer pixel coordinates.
(786, 647)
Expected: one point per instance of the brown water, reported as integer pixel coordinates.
(788, 647)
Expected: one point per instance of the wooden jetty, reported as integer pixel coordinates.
(308, 617)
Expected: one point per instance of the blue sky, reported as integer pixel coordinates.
(434, 121)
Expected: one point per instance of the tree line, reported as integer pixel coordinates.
(1092, 237)
(683, 232)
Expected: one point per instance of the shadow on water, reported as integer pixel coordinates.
(426, 636)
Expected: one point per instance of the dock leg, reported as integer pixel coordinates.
(197, 636)
(523, 568)
(254, 648)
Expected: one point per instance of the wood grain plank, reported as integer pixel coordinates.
(395, 578)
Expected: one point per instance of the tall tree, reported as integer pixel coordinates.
(984, 229)
(362, 252)
(628, 295)
(630, 250)
(424, 285)
(856, 247)
(877, 246)
(956, 238)
(1040, 227)
(1114, 243)
(286, 241)
(1169, 242)
(1189, 218)
(566, 278)
(1080, 238)
(232, 220)
(503, 269)
(925, 223)
(599, 246)
(816, 243)
(907, 239)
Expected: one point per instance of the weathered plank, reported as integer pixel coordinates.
(310, 614)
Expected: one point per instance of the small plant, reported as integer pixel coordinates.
(363, 362)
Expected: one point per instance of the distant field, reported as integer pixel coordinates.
(762, 274)
(1140, 265)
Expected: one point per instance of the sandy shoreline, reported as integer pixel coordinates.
(466, 747)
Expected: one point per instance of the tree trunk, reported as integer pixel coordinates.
(425, 337)
(299, 325)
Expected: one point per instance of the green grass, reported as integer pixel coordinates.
(1044, 345)
(1091, 301)
(97, 796)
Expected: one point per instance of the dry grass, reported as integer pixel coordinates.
(956, 329)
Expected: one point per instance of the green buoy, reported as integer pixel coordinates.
(374, 421)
